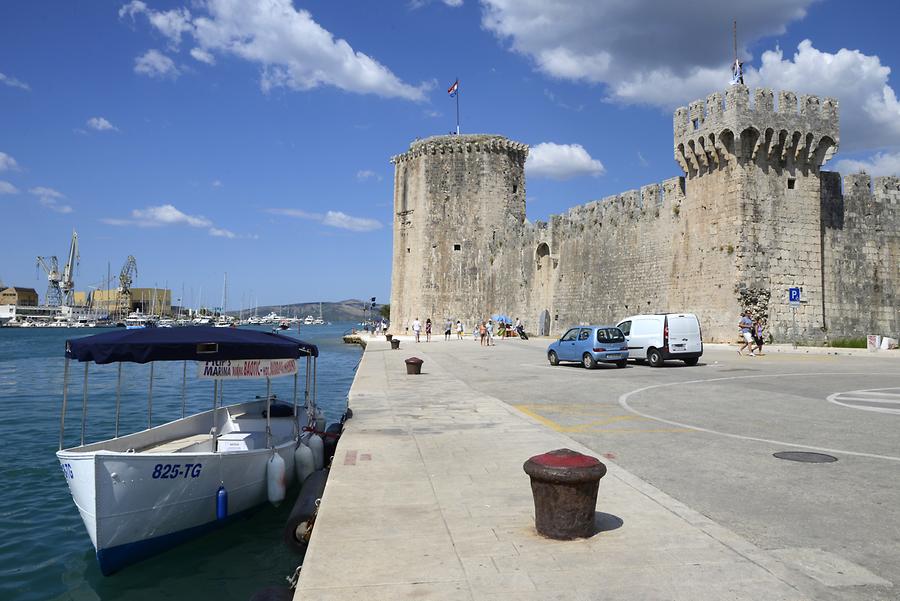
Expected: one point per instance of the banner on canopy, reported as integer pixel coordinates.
(245, 369)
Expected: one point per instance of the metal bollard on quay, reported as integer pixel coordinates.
(414, 366)
(564, 484)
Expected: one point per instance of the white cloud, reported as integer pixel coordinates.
(453, 3)
(366, 174)
(298, 213)
(101, 124)
(292, 49)
(882, 163)
(222, 233)
(216, 183)
(7, 163)
(332, 218)
(346, 222)
(50, 198)
(14, 83)
(561, 161)
(154, 63)
(7, 188)
(203, 56)
(167, 215)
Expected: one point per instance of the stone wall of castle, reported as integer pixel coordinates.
(752, 216)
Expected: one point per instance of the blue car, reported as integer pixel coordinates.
(590, 345)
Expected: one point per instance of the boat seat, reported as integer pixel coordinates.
(179, 444)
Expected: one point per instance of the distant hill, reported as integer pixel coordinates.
(346, 310)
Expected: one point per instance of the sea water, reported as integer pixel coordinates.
(45, 551)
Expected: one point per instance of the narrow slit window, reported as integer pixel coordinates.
(791, 183)
(457, 247)
(515, 188)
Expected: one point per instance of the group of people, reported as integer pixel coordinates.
(752, 334)
(483, 331)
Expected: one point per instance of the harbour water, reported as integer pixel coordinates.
(45, 552)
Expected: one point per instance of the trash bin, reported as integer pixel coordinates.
(389, 337)
(395, 344)
(414, 366)
(564, 484)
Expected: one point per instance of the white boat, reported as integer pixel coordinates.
(137, 320)
(144, 492)
(309, 320)
(166, 322)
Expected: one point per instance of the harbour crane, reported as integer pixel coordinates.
(51, 266)
(67, 285)
(123, 299)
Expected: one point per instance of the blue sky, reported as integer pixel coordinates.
(255, 137)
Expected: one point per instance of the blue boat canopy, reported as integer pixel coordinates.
(186, 344)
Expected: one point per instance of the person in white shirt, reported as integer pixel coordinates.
(417, 328)
(459, 330)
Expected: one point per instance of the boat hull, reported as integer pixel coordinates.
(135, 505)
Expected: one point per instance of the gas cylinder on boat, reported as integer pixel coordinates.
(304, 462)
(275, 479)
(318, 448)
(221, 503)
(320, 421)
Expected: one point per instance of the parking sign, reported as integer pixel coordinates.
(794, 296)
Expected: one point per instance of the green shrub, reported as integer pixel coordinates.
(857, 342)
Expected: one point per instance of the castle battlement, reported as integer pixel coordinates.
(452, 143)
(713, 132)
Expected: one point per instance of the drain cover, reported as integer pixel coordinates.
(805, 457)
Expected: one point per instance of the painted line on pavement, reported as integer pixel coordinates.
(874, 395)
(623, 402)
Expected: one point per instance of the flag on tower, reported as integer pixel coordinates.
(453, 89)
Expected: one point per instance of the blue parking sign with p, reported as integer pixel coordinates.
(794, 296)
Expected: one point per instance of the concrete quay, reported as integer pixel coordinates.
(427, 498)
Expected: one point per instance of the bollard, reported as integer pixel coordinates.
(414, 366)
(564, 484)
(388, 337)
(395, 344)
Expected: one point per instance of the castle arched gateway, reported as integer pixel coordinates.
(752, 215)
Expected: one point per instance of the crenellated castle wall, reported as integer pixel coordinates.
(752, 216)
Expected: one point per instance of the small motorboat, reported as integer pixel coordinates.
(144, 492)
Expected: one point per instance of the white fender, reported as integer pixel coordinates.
(304, 462)
(317, 445)
(275, 479)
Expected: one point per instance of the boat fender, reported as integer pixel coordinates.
(299, 524)
(304, 462)
(348, 414)
(320, 421)
(275, 479)
(332, 435)
(318, 448)
(221, 503)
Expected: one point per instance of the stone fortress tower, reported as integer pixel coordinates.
(752, 216)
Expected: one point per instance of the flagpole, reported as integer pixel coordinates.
(457, 106)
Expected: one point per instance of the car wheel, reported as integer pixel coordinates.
(553, 358)
(588, 361)
(654, 357)
(621, 364)
(691, 362)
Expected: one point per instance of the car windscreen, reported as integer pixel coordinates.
(610, 335)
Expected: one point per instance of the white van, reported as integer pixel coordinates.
(657, 338)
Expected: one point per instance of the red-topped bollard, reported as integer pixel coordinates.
(564, 484)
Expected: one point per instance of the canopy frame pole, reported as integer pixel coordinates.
(118, 398)
(150, 400)
(296, 421)
(310, 418)
(84, 400)
(183, 388)
(268, 413)
(315, 384)
(212, 430)
(65, 400)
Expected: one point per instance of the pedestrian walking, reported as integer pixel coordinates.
(482, 333)
(476, 331)
(459, 330)
(448, 327)
(417, 328)
(745, 325)
(428, 330)
(758, 335)
(490, 333)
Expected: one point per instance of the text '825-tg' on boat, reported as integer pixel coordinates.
(142, 493)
